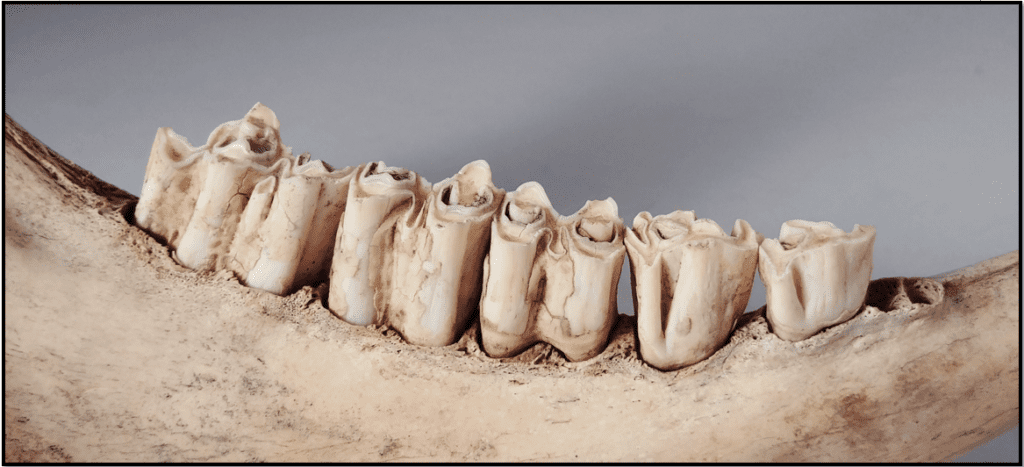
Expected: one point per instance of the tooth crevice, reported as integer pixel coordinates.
(815, 275)
(691, 282)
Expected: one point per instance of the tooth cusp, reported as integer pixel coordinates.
(815, 276)
(691, 282)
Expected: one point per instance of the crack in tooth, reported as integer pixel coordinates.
(691, 282)
(815, 275)
(551, 278)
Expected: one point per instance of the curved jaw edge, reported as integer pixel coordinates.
(919, 383)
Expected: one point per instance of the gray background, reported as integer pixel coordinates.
(904, 117)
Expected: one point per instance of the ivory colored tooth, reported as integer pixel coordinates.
(171, 187)
(378, 195)
(551, 278)
(579, 308)
(237, 155)
(513, 269)
(192, 197)
(815, 276)
(286, 236)
(691, 282)
(438, 255)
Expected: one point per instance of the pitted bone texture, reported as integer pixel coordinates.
(894, 293)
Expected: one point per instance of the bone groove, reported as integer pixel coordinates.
(427, 259)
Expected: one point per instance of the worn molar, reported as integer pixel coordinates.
(378, 196)
(193, 197)
(815, 276)
(691, 282)
(551, 278)
(285, 237)
(437, 258)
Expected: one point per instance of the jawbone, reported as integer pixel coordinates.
(110, 338)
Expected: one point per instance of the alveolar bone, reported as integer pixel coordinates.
(193, 197)
(437, 258)
(691, 282)
(378, 195)
(285, 237)
(550, 278)
(815, 276)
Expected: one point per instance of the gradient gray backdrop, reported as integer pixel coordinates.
(904, 117)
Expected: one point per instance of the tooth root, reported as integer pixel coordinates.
(284, 244)
(815, 276)
(438, 258)
(378, 195)
(551, 278)
(691, 282)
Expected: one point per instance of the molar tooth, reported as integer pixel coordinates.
(513, 268)
(438, 258)
(551, 278)
(378, 195)
(193, 197)
(286, 236)
(691, 282)
(232, 172)
(815, 276)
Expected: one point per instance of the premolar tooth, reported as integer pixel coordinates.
(551, 278)
(378, 195)
(438, 258)
(815, 276)
(171, 187)
(691, 282)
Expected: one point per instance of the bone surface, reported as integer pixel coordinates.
(691, 283)
(551, 278)
(115, 353)
(815, 276)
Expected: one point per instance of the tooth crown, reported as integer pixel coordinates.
(551, 278)
(691, 282)
(286, 233)
(438, 254)
(361, 267)
(192, 198)
(815, 276)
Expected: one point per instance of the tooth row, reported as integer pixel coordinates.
(427, 259)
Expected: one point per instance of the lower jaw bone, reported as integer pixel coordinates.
(551, 279)
(815, 276)
(691, 282)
